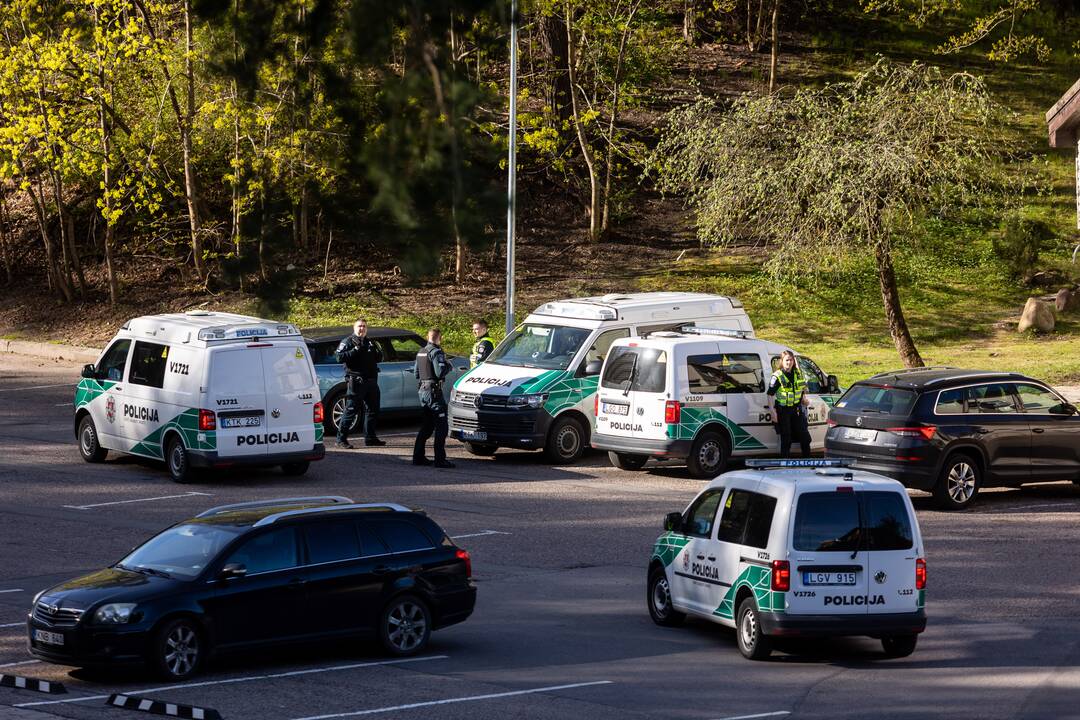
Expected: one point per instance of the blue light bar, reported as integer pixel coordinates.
(801, 463)
(722, 332)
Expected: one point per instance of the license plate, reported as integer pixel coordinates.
(613, 409)
(862, 434)
(49, 637)
(240, 422)
(480, 435)
(828, 578)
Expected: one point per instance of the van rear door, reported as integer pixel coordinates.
(893, 551)
(828, 562)
(633, 390)
(238, 397)
(291, 394)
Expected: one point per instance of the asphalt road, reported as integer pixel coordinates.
(560, 628)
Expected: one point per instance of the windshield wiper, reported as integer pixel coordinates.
(151, 571)
(632, 376)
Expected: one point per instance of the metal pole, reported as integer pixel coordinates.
(511, 182)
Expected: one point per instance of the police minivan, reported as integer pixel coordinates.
(202, 389)
(535, 391)
(698, 395)
(790, 548)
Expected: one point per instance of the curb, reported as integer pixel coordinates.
(50, 350)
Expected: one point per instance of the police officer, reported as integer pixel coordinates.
(431, 367)
(789, 388)
(361, 357)
(484, 344)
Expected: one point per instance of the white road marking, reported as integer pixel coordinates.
(63, 404)
(470, 698)
(1064, 506)
(778, 713)
(125, 502)
(248, 678)
(21, 662)
(37, 387)
(18, 624)
(482, 533)
(12, 590)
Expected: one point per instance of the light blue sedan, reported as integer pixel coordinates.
(397, 383)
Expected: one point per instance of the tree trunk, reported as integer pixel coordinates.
(586, 152)
(894, 314)
(616, 85)
(6, 246)
(106, 182)
(775, 49)
(553, 50)
(689, 22)
(56, 280)
(76, 261)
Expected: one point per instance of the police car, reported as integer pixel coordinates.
(202, 389)
(790, 548)
(698, 395)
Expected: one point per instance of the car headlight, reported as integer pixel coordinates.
(531, 401)
(114, 613)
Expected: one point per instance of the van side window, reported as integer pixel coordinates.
(950, 402)
(887, 521)
(815, 379)
(731, 373)
(148, 364)
(700, 517)
(1036, 399)
(760, 521)
(112, 363)
(331, 541)
(733, 521)
(991, 399)
(370, 543)
(275, 550)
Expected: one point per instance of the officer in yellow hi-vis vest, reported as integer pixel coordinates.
(789, 389)
(483, 346)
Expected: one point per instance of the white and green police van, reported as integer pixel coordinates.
(202, 389)
(698, 395)
(790, 548)
(536, 389)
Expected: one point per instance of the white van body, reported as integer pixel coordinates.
(779, 539)
(699, 396)
(218, 389)
(534, 391)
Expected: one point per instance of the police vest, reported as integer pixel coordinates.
(478, 352)
(789, 394)
(426, 372)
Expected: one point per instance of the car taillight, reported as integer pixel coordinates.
(672, 412)
(596, 405)
(318, 413)
(830, 422)
(207, 420)
(781, 575)
(920, 574)
(464, 555)
(926, 432)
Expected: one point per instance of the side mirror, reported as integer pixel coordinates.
(1063, 409)
(834, 385)
(88, 371)
(232, 570)
(673, 522)
(593, 367)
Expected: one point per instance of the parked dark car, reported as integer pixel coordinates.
(953, 431)
(241, 576)
(397, 384)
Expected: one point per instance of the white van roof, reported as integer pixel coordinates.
(638, 307)
(670, 340)
(784, 482)
(202, 328)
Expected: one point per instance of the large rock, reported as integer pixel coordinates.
(1037, 316)
(1067, 300)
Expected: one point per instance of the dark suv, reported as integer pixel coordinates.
(241, 576)
(954, 431)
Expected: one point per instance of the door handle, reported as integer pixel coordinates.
(1036, 430)
(382, 570)
(297, 583)
(117, 388)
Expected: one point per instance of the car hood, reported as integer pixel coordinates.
(108, 585)
(495, 379)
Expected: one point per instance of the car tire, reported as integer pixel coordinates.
(708, 455)
(627, 461)
(480, 449)
(959, 483)
(89, 446)
(754, 644)
(177, 460)
(296, 469)
(898, 646)
(179, 649)
(335, 408)
(658, 598)
(405, 626)
(566, 441)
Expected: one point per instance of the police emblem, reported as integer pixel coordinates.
(110, 408)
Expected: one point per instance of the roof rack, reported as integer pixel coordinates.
(905, 371)
(724, 332)
(336, 499)
(271, 519)
(987, 374)
(763, 464)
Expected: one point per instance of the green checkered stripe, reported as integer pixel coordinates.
(759, 580)
(921, 603)
(187, 424)
(668, 546)
(694, 418)
(563, 389)
(319, 429)
(89, 390)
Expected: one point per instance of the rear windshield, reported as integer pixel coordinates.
(877, 399)
(635, 368)
(834, 521)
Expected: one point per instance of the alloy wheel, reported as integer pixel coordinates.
(961, 482)
(406, 626)
(181, 650)
(339, 410)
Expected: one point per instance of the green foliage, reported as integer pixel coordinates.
(1019, 243)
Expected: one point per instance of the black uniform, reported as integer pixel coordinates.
(431, 367)
(791, 422)
(361, 357)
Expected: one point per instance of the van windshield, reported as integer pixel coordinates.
(551, 347)
(635, 369)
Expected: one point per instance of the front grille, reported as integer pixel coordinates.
(509, 424)
(468, 400)
(57, 616)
